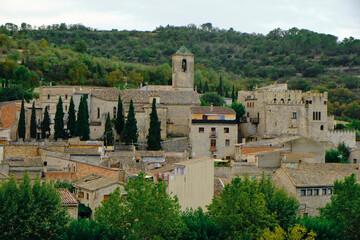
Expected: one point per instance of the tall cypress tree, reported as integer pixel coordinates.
(45, 124)
(154, 136)
(108, 134)
(220, 89)
(233, 96)
(33, 126)
(206, 87)
(130, 134)
(120, 119)
(71, 124)
(21, 124)
(59, 120)
(82, 123)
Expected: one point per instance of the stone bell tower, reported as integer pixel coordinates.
(183, 70)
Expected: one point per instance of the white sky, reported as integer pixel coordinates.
(337, 17)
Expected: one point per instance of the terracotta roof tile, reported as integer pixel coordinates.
(252, 150)
(215, 110)
(67, 198)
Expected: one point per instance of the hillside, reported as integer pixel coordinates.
(76, 54)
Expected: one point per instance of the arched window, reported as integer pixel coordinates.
(274, 100)
(282, 100)
(183, 65)
(98, 113)
(114, 112)
(48, 96)
(322, 127)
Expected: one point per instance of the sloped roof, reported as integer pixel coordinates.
(212, 110)
(29, 162)
(93, 182)
(183, 51)
(67, 198)
(253, 150)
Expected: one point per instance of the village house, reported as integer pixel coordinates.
(69, 202)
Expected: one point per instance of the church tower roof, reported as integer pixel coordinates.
(183, 51)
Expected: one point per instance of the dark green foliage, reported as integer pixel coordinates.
(199, 226)
(339, 126)
(334, 156)
(71, 124)
(239, 109)
(81, 46)
(84, 229)
(120, 118)
(154, 135)
(344, 208)
(233, 95)
(64, 184)
(45, 124)
(130, 134)
(84, 211)
(108, 134)
(211, 97)
(14, 93)
(30, 211)
(325, 229)
(21, 124)
(33, 125)
(220, 88)
(59, 131)
(344, 150)
(299, 84)
(82, 123)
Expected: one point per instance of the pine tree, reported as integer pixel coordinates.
(233, 96)
(154, 136)
(206, 87)
(71, 124)
(45, 124)
(220, 89)
(33, 126)
(21, 124)
(120, 119)
(130, 134)
(59, 120)
(82, 123)
(108, 134)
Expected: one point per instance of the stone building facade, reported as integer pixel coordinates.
(213, 132)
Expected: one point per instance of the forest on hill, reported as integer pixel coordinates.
(76, 54)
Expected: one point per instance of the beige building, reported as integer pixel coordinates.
(173, 102)
(213, 132)
(312, 184)
(192, 182)
(69, 202)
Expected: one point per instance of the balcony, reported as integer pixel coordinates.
(212, 134)
(243, 120)
(213, 148)
(254, 120)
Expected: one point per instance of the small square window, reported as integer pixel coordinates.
(316, 192)
(303, 192)
(201, 130)
(213, 129)
(294, 115)
(227, 142)
(309, 192)
(292, 165)
(330, 191)
(226, 130)
(81, 194)
(87, 196)
(324, 191)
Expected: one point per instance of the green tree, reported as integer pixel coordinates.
(30, 211)
(59, 131)
(71, 124)
(147, 213)
(239, 109)
(120, 118)
(297, 232)
(344, 150)
(220, 88)
(21, 124)
(81, 46)
(233, 95)
(130, 133)
(45, 124)
(333, 156)
(325, 229)
(108, 134)
(33, 125)
(154, 135)
(199, 226)
(215, 99)
(344, 208)
(82, 123)
(241, 210)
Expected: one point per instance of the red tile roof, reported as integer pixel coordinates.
(251, 150)
(67, 198)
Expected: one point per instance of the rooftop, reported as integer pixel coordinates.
(212, 110)
(21, 162)
(67, 198)
(183, 51)
(94, 182)
(254, 150)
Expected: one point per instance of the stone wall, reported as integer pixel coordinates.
(339, 136)
(175, 145)
(18, 151)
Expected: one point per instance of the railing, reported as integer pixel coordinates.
(243, 120)
(212, 148)
(212, 134)
(254, 120)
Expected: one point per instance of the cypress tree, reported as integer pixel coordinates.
(233, 96)
(21, 124)
(200, 87)
(71, 124)
(220, 89)
(206, 87)
(59, 120)
(82, 123)
(130, 134)
(154, 136)
(33, 126)
(108, 134)
(120, 119)
(45, 124)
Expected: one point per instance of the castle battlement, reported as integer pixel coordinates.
(339, 136)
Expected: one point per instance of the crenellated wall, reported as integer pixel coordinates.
(339, 136)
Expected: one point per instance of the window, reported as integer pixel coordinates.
(183, 65)
(213, 144)
(228, 157)
(294, 115)
(355, 160)
(319, 116)
(114, 112)
(313, 115)
(98, 113)
(226, 130)
(322, 127)
(66, 96)
(213, 129)
(247, 114)
(247, 104)
(204, 117)
(316, 192)
(48, 96)
(81, 194)
(303, 192)
(324, 102)
(274, 100)
(66, 107)
(324, 191)
(87, 196)
(308, 192)
(201, 130)
(282, 100)
(292, 165)
(221, 117)
(330, 191)
(227, 142)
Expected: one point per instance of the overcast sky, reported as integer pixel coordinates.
(337, 17)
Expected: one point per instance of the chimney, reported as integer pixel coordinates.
(212, 107)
